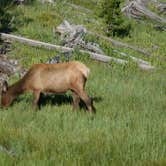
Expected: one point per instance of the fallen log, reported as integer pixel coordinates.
(141, 63)
(77, 7)
(104, 58)
(120, 44)
(136, 9)
(36, 43)
(7, 67)
(95, 56)
(47, 1)
(162, 8)
(76, 33)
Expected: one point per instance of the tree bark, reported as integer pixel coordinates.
(120, 44)
(136, 9)
(96, 56)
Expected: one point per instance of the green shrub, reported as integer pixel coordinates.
(116, 23)
(5, 16)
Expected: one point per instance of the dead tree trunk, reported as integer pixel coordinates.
(96, 56)
(120, 44)
(136, 9)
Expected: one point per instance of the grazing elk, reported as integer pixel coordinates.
(51, 78)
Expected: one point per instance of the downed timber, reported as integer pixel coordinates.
(76, 33)
(120, 44)
(7, 67)
(95, 56)
(73, 35)
(138, 60)
(141, 63)
(136, 10)
(79, 8)
(162, 8)
(36, 43)
(104, 58)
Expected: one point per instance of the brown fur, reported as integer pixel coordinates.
(54, 78)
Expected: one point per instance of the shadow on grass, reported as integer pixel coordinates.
(58, 100)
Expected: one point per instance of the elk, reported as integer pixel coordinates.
(51, 78)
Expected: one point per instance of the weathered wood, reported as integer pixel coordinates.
(145, 66)
(162, 8)
(7, 67)
(92, 47)
(120, 44)
(141, 63)
(47, 1)
(95, 56)
(76, 33)
(136, 10)
(36, 43)
(8, 151)
(3, 77)
(77, 7)
(160, 28)
(104, 58)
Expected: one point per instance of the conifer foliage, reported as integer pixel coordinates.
(117, 25)
(5, 16)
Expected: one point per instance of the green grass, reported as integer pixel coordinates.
(129, 127)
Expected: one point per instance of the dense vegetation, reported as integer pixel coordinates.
(129, 127)
(115, 21)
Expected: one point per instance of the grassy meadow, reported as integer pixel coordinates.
(129, 127)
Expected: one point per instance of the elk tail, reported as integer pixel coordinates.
(84, 70)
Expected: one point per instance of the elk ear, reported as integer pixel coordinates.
(4, 87)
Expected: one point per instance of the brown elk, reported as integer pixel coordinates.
(51, 78)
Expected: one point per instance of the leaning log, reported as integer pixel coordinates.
(136, 10)
(95, 56)
(34, 43)
(120, 44)
(49, 46)
(142, 64)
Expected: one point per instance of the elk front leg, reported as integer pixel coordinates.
(36, 95)
(87, 100)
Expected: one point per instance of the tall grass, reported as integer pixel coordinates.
(129, 127)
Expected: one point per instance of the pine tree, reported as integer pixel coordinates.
(116, 23)
(5, 16)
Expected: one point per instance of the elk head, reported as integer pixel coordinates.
(6, 98)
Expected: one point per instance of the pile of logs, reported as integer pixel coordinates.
(7, 66)
(73, 35)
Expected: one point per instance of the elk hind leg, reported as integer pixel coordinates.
(76, 100)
